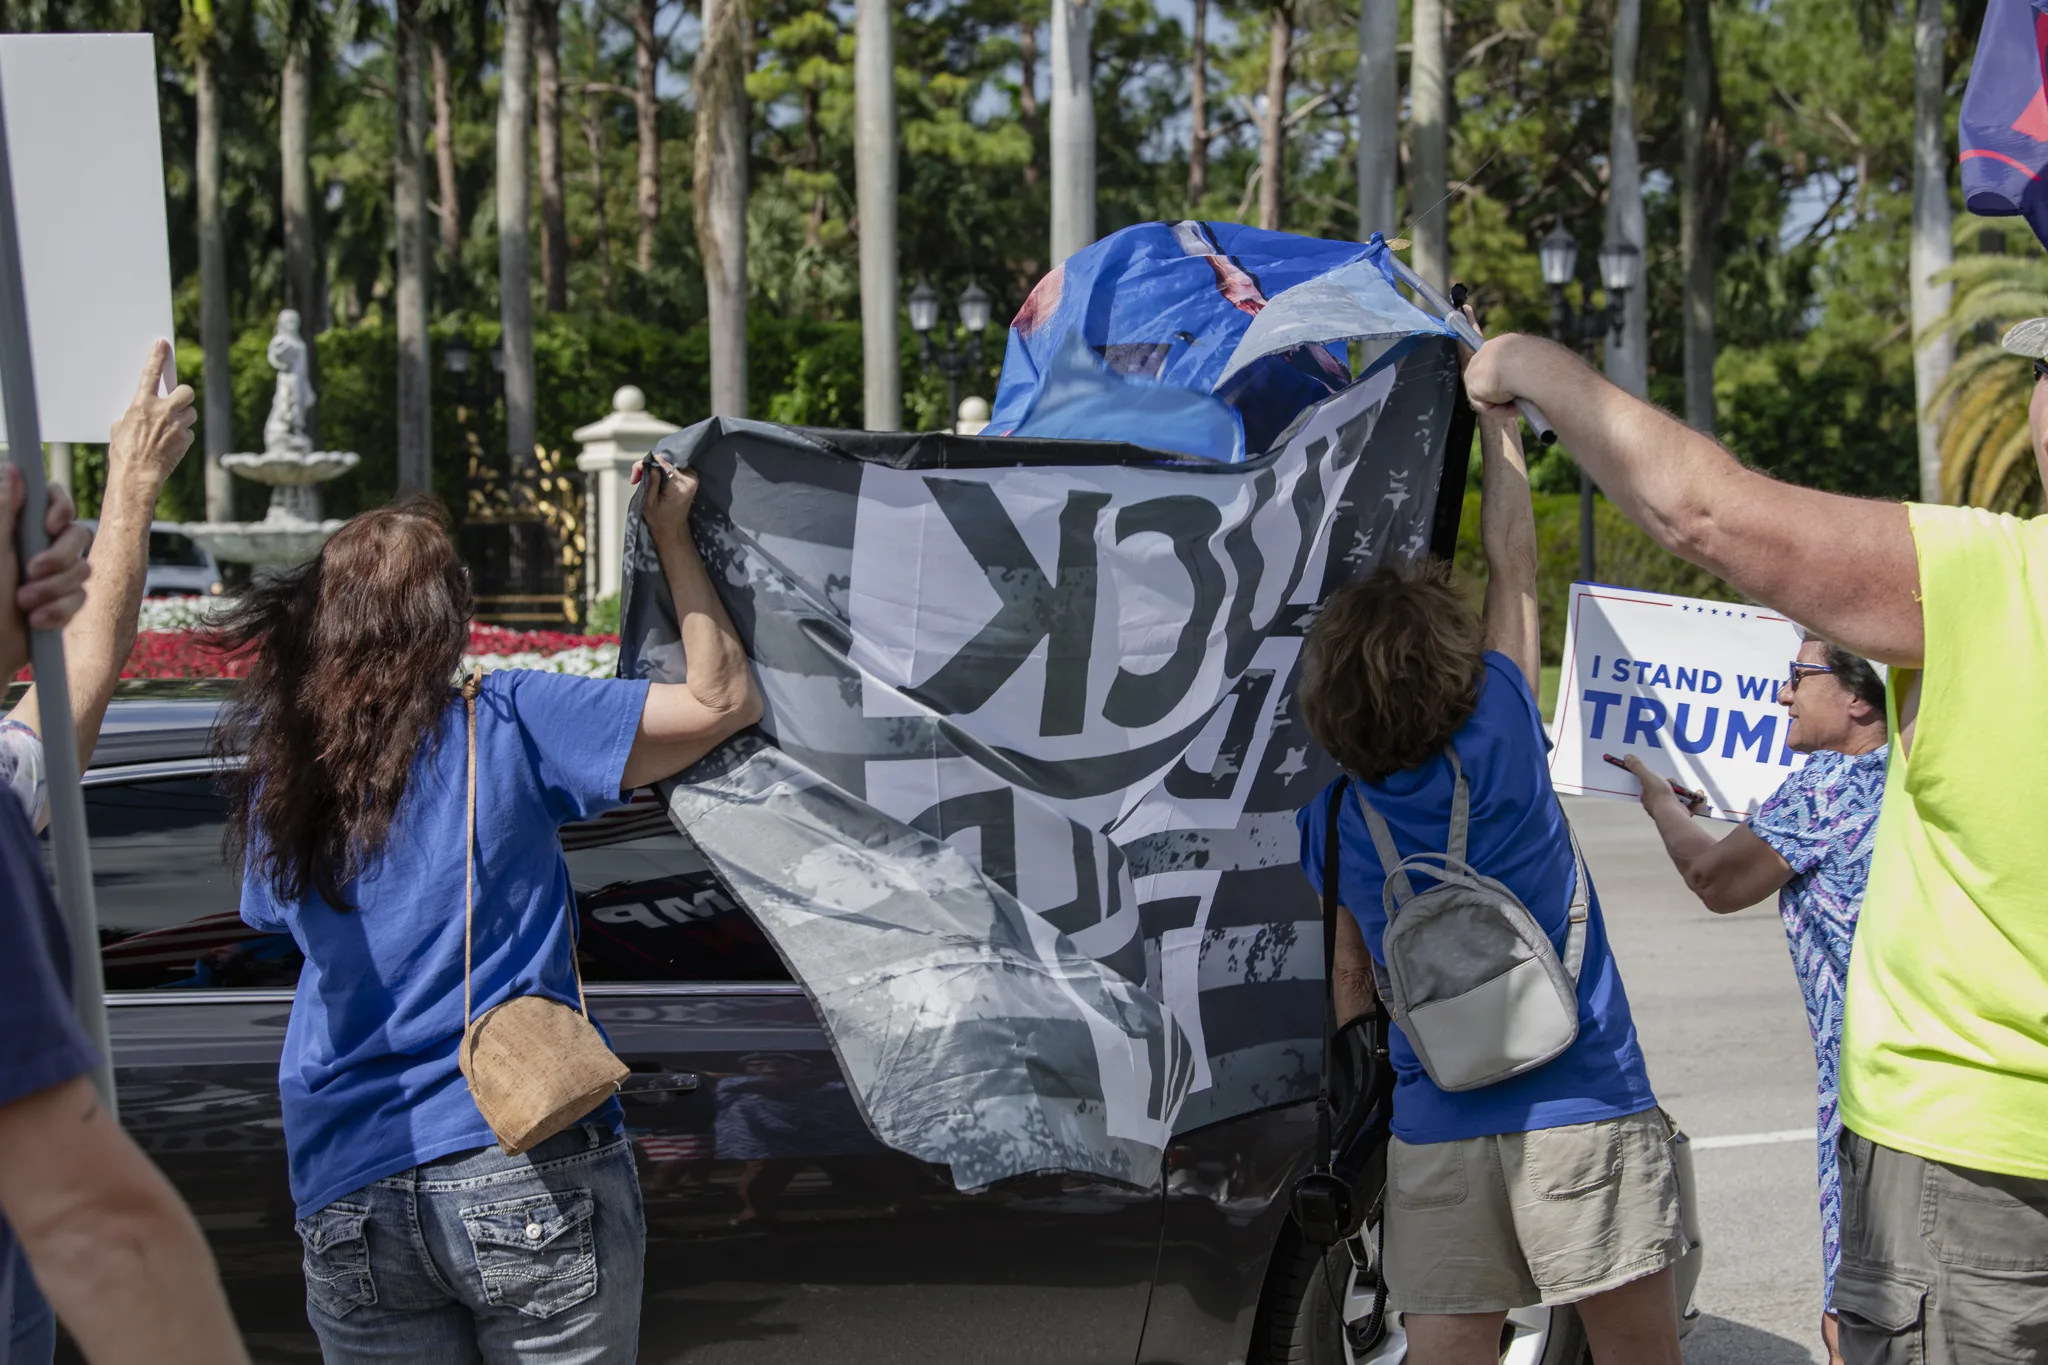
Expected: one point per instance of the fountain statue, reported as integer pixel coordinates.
(291, 531)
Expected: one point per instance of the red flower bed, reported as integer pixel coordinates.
(497, 640)
(182, 654)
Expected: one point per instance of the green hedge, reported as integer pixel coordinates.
(800, 371)
(1623, 555)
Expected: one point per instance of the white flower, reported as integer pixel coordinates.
(179, 613)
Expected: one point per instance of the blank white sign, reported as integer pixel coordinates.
(88, 164)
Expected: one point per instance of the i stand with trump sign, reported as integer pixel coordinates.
(1688, 686)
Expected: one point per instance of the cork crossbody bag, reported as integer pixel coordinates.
(534, 1065)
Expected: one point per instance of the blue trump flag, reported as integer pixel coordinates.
(1141, 337)
(2005, 116)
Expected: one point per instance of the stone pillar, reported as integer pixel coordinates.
(611, 448)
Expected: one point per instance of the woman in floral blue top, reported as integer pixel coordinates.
(1811, 844)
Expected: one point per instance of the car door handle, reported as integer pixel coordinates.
(659, 1083)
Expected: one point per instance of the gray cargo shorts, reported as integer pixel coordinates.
(1941, 1265)
(1553, 1215)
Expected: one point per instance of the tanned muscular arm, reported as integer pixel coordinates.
(1844, 567)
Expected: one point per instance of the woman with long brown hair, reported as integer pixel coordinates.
(423, 1239)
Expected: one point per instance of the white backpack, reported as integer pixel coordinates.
(1470, 976)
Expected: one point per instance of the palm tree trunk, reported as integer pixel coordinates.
(593, 138)
(295, 120)
(1379, 114)
(1198, 109)
(647, 113)
(1931, 251)
(214, 335)
(1628, 358)
(874, 164)
(409, 214)
(515, 268)
(1702, 197)
(1027, 89)
(1429, 122)
(554, 221)
(1073, 127)
(1273, 123)
(444, 151)
(720, 185)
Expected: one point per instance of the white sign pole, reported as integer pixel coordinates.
(46, 647)
(1688, 686)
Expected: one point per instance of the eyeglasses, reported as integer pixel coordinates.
(1800, 671)
(2041, 369)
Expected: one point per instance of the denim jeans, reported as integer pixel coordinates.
(481, 1257)
(33, 1334)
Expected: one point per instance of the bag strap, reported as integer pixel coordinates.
(471, 686)
(1575, 913)
(1331, 842)
(1397, 883)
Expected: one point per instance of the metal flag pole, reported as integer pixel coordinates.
(1468, 334)
(46, 649)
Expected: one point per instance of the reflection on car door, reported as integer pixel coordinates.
(776, 1221)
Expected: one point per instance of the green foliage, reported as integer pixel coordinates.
(810, 369)
(604, 615)
(1814, 377)
(1623, 556)
(1986, 445)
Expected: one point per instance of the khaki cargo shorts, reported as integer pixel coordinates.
(1552, 1216)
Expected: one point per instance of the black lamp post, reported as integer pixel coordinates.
(1621, 265)
(949, 359)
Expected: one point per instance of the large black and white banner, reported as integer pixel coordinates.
(1020, 814)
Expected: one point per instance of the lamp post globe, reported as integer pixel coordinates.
(924, 307)
(1558, 255)
(974, 308)
(1621, 267)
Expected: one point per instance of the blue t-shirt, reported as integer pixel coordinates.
(369, 1080)
(41, 1044)
(1518, 837)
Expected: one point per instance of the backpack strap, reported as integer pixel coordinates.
(1398, 885)
(1575, 913)
(1461, 807)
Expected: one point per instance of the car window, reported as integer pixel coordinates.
(652, 908)
(169, 909)
(175, 550)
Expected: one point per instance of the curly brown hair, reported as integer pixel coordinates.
(1391, 669)
(355, 659)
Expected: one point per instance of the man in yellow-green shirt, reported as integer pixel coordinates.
(1945, 1056)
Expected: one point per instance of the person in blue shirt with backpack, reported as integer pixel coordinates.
(1529, 1161)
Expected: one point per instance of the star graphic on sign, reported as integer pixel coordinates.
(1292, 765)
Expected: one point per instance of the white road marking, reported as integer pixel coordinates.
(1754, 1139)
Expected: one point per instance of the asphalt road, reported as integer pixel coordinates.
(1721, 1023)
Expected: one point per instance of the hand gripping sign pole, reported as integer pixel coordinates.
(46, 648)
(1467, 333)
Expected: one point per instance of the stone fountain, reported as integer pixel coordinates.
(291, 532)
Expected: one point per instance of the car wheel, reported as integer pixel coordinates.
(1328, 1310)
